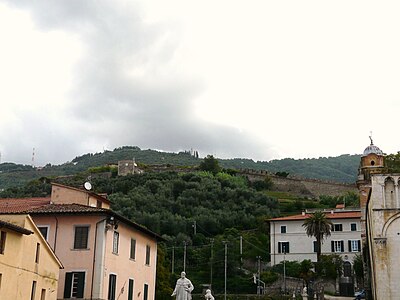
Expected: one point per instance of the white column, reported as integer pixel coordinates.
(383, 195)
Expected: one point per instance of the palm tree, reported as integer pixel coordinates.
(318, 226)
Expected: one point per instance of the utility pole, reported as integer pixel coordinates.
(194, 227)
(173, 259)
(284, 272)
(226, 256)
(258, 274)
(184, 256)
(241, 251)
(211, 262)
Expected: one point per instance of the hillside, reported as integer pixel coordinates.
(340, 169)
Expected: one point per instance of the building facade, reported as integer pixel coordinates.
(380, 206)
(290, 242)
(105, 255)
(29, 268)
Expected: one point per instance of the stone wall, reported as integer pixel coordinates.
(310, 188)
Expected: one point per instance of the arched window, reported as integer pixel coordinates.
(390, 196)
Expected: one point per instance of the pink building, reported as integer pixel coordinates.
(105, 256)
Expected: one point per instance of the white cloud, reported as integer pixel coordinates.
(260, 80)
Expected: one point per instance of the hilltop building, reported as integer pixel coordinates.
(380, 223)
(105, 255)
(29, 269)
(126, 167)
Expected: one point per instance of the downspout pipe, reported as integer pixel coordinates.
(94, 255)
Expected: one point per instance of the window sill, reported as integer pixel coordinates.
(84, 249)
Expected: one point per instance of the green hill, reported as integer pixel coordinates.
(341, 169)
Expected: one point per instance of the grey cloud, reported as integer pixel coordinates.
(111, 106)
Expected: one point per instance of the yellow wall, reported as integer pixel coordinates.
(18, 267)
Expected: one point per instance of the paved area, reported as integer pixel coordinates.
(327, 297)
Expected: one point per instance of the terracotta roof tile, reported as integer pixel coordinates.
(65, 208)
(15, 205)
(16, 228)
(334, 215)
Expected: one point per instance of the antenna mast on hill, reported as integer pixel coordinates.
(33, 158)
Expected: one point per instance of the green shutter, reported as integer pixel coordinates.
(67, 285)
(130, 289)
(81, 284)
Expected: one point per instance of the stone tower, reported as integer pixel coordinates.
(372, 162)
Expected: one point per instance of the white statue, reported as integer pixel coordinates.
(183, 288)
(208, 295)
(304, 291)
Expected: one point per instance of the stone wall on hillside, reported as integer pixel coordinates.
(310, 188)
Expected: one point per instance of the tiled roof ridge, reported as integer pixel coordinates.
(329, 215)
(26, 198)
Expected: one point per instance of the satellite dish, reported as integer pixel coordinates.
(87, 185)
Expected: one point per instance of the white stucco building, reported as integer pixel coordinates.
(289, 240)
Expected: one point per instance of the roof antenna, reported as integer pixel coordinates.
(370, 137)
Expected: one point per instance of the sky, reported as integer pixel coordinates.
(236, 79)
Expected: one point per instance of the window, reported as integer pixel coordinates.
(37, 253)
(283, 229)
(283, 247)
(353, 227)
(133, 249)
(337, 227)
(74, 285)
(130, 289)
(33, 291)
(337, 246)
(44, 230)
(81, 237)
(147, 255)
(3, 236)
(354, 245)
(98, 204)
(146, 292)
(315, 246)
(112, 283)
(43, 295)
(115, 242)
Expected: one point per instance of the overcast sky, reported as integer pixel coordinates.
(252, 79)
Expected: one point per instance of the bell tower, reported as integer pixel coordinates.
(372, 162)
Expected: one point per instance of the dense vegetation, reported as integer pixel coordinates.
(200, 214)
(341, 169)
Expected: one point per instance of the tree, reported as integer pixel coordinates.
(318, 226)
(210, 164)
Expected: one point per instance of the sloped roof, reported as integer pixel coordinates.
(329, 215)
(73, 209)
(13, 227)
(15, 205)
